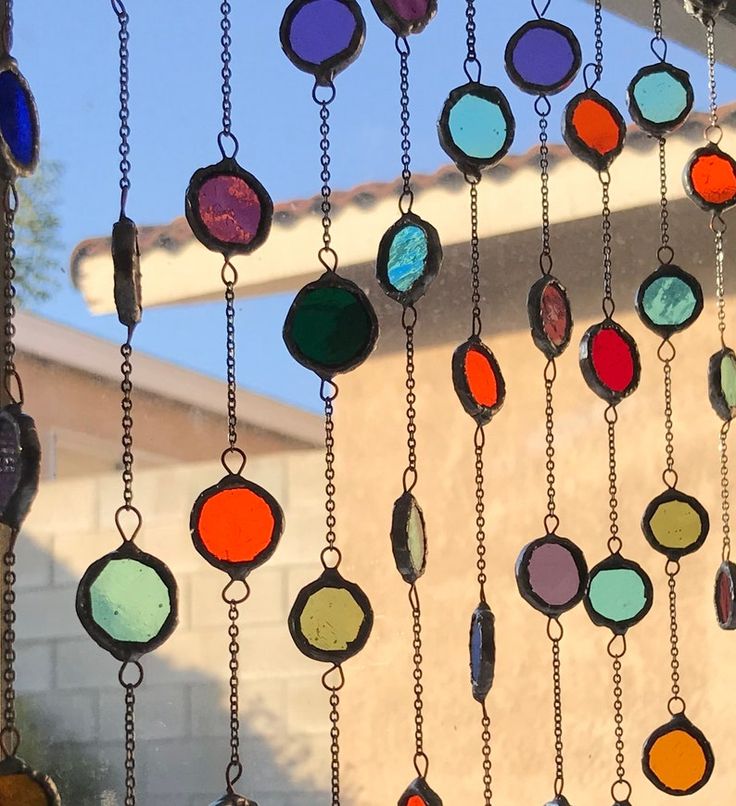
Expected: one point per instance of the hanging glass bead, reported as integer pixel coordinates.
(409, 538)
(482, 651)
(669, 300)
(478, 381)
(20, 465)
(419, 794)
(677, 757)
(405, 17)
(722, 383)
(543, 57)
(725, 596)
(551, 574)
(19, 128)
(710, 178)
(550, 316)
(660, 98)
(675, 524)
(594, 129)
(22, 786)
(609, 360)
(619, 594)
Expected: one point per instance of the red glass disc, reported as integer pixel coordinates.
(594, 129)
(230, 209)
(725, 596)
(609, 360)
(550, 317)
(710, 178)
(478, 380)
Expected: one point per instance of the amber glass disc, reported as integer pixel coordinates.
(478, 381)
(551, 574)
(609, 361)
(675, 524)
(331, 619)
(482, 651)
(710, 179)
(619, 594)
(331, 326)
(669, 300)
(677, 758)
(228, 209)
(236, 525)
(405, 17)
(594, 129)
(22, 786)
(722, 383)
(409, 538)
(409, 258)
(20, 465)
(419, 794)
(550, 317)
(660, 98)
(128, 602)
(725, 596)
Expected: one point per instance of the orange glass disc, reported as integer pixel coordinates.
(710, 178)
(482, 380)
(236, 525)
(594, 129)
(478, 380)
(677, 758)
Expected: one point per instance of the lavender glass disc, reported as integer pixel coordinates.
(322, 37)
(543, 57)
(551, 574)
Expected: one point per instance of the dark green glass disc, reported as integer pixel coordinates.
(331, 326)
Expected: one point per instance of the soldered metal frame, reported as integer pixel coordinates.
(667, 496)
(727, 567)
(399, 538)
(233, 481)
(28, 455)
(126, 651)
(432, 262)
(668, 126)
(233, 799)
(524, 583)
(679, 722)
(536, 323)
(12, 765)
(397, 24)
(330, 578)
(324, 72)
(561, 800)
(473, 166)
(715, 387)
(708, 150)
(227, 166)
(327, 373)
(669, 270)
(483, 682)
(126, 259)
(617, 562)
(579, 149)
(9, 165)
(587, 368)
(420, 788)
(481, 414)
(532, 88)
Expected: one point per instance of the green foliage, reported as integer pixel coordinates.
(38, 263)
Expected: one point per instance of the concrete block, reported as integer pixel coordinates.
(34, 667)
(34, 560)
(183, 767)
(71, 717)
(307, 708)
(48, 613)
(162, 712)
(81, 664)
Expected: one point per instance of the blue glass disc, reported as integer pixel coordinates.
(660, 98)
(17, 118)
(407, 257)
(478, 127)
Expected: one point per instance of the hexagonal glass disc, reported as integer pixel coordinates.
(22, 786)
(669, 300)
(478, 381)
(677, 758)
(675, 524)
(331, 619)
(236, 525)
(710, 179)
(660, 98)
(128, 602)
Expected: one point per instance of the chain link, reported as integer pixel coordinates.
(10, 208)
(411, 475)
(472, 60)
(327, 254)
(670, 474)
(226, 72)
(7, 32)
(421, 761)
(657, 18)
(614, 541)
(596, 66)
(712, 86)
(9, 737)
(479, 442)
(406, 201)
(118, 7)
(665, 253)
(551, 520)
(543, 110)
(126, 404)
(618, 707)
(234, 768)
(477, 323)
(130, 783)
(229, 279)
(330, 519)
(609, 306)
(725, 492)
(718, 226)
(676, 703)
(557, 696)
(487, 762)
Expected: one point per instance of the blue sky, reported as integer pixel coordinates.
(68, 52)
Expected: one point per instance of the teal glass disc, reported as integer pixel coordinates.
(660, 98)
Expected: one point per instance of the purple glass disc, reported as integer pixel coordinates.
(321, 30)
(229, 209)
(409, 10)
(543, 56)
(553, 574)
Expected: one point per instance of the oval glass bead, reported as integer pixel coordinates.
(236, 525)
(128, 602)
(331, 326)
(478, 381)
(609, 361)
(482, 651)
(20, 465)
(594, 129)
(228, 209)
(675, 524)
(660, 98)
(543, 57)
(722, 383)
(551, 574)
(331, 619)
(619, 594)
(19, 128)
(550, 316)
(669, 300)
(677, 758)
(409, 259)
(322, 37)
(476, 127)
(725, 596)
(405, 17)
(419, 793)
(409, 538)
(710, 179)
(20, 785)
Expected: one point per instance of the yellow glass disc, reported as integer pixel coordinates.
(331, 619)
(676, 525)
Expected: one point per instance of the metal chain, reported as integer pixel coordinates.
(226, 72)
(118, 7)
(555, 633)
(609, 306)
(551, 520)
(676, 704)
(9, 736)
(479, 442)
(10, 208)
(657, 18)
(130, 783)
(411, 475)
(725, 492)
(330, 519)
(712, 87)
(487, 762)
(333, 681)
(235, 767)
(7, 32)
(596, 66)
(421, 760)
(472, 60)
(327, 254)
(543, 109)
(618, 707)
(665, 254)
(477, 323)
(406, 201)
(614, 541)
(126, 404)
(718, 226)
(229, 279)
